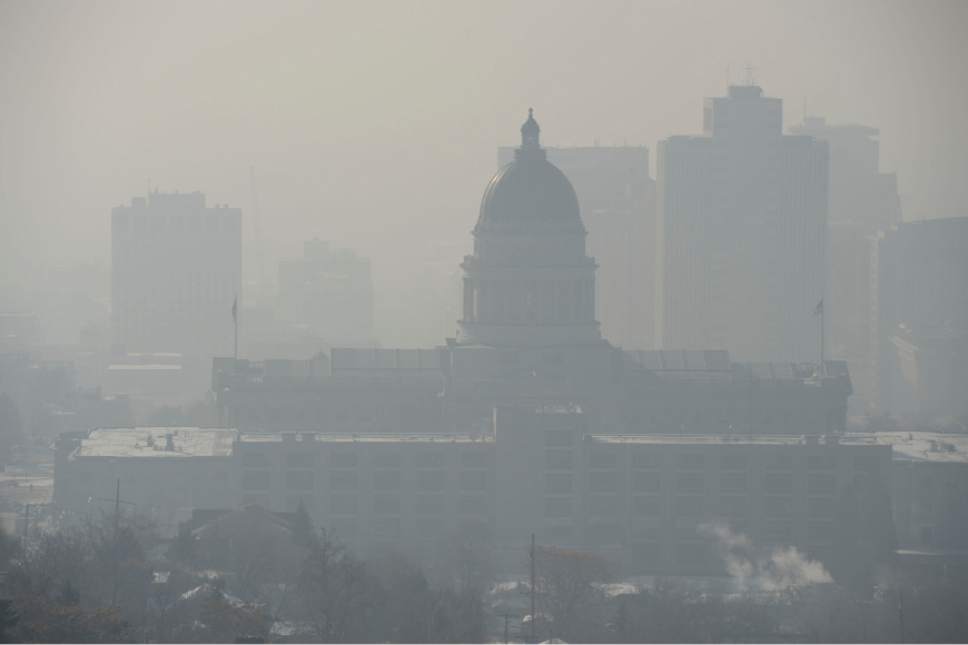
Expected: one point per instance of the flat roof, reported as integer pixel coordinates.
(327, 437)
(924, 446)
(152, 442)
(906, 446)
(727, 440)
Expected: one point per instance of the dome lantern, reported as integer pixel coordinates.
(530, 133)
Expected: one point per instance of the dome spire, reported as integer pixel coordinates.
(530, 133)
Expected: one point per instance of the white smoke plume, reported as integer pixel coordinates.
(779, 570)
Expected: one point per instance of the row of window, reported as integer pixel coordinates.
(686, 506)
(350, 480)
(610, 481)
(347, 457)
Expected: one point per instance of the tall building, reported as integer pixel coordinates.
(742, 215)
(175, 273)
(329, 293)
(617, 198)
(863, 201)
(920, 335)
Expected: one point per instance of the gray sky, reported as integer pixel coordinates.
(375, 124)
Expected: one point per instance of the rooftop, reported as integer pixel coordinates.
(716, 439)
(924, 446)
(154, 442)
(363, 438)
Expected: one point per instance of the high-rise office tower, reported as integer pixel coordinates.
(920, 330)
(617, 198)
(175, 274)
(329, 293)
(863, 201)
(742, 214)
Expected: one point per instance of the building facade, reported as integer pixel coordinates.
(649, 502)
(742, 216)
(920, 327)
(863, 201)
(328, 293)
(175, 273)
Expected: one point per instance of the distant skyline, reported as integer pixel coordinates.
(375, 124)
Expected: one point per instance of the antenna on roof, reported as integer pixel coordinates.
(749, 75)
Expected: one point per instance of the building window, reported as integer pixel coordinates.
(646, 459)
(559, 460)
(778, 532)
(605, 534)
(429, 458)
(777, 506)
(820, 533)
(386, 480)
(558, 507)
(473, 480)
(820, 462)
(735, 482)
(474, 458)
(255, 480)
(255, 460)
(647, 505)
(343, 505)
(558, 483)
(691, 461)
(386, 528)
(301, 460)
(386, 504)
(343, 458)
(689, 505)
(301, 480)
(690, 483)
(386, 458)
(559, 438)
(472, 505)
(432, 480)
(600, 458)
(820, 506)
(645, 481)
(602, 481)
(604, 505)
(343, 480)
(734, 462)
(430, 504)
(821, 483)
(777, 483)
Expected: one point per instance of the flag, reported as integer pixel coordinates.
(235, 309)
(818, 310)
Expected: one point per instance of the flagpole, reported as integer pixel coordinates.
(235, 320)
(821, 338)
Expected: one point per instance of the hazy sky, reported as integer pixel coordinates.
(375, 124)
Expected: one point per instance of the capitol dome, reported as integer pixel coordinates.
(529, 192)
(529, 282)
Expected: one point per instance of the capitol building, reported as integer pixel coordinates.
(528, 421)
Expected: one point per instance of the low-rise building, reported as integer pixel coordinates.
(652, 502)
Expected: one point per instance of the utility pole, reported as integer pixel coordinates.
(26, 522)
(900, 612)
(117, 555)
(505, 629)
(533, 616)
